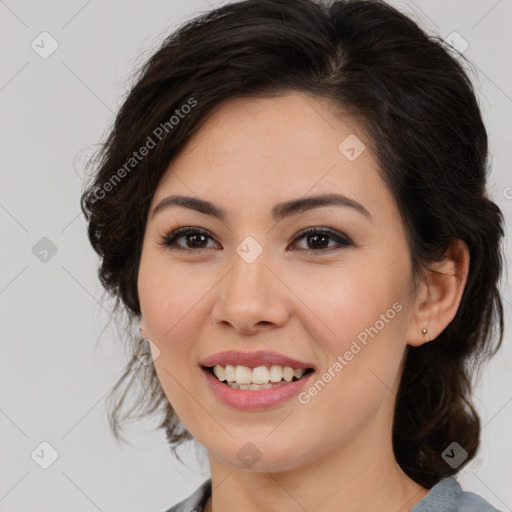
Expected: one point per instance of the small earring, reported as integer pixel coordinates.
(424, 331)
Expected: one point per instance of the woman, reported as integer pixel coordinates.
(291, 205)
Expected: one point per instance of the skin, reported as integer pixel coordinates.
(335, 452)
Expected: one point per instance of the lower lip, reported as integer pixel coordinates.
(252, 400)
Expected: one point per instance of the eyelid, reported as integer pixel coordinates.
(341, 239)
(177, 233)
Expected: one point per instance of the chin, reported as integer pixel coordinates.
(262, 455)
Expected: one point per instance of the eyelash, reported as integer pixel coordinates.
(343, 241)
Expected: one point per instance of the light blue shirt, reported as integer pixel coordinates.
(446, 496)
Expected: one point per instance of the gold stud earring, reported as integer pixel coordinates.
(424, 331)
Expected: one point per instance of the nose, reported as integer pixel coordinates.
(251, 297)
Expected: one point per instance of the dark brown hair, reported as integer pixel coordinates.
(414, 100)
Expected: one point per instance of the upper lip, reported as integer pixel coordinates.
(253, 359)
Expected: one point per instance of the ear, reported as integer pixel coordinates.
(438, 297)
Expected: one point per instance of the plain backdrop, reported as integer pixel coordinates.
(53, 376)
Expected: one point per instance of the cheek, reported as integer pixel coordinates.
(170, 304)
(174, 305)
(347, 300)
(359, 324)
(169, 296)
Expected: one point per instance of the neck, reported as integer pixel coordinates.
(361, 477)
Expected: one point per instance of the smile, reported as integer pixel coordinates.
(258, 378)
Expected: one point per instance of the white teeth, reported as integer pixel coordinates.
(220, 373)
(276, 373)
(260, 375)
(288, 374)
(230, 373)
(254, 387)
(243, 377)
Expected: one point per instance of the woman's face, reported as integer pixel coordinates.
(339, 301)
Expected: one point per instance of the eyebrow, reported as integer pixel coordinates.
(279, 211)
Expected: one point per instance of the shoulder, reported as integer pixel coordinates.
(447, 496)
(196, 501)
(471, 502)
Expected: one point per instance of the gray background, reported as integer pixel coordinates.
(53, 377)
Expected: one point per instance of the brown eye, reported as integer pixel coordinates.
(193, 239)
(317, 240)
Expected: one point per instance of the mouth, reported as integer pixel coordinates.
(256, 378)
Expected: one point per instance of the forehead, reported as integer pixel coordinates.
(254, 151)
